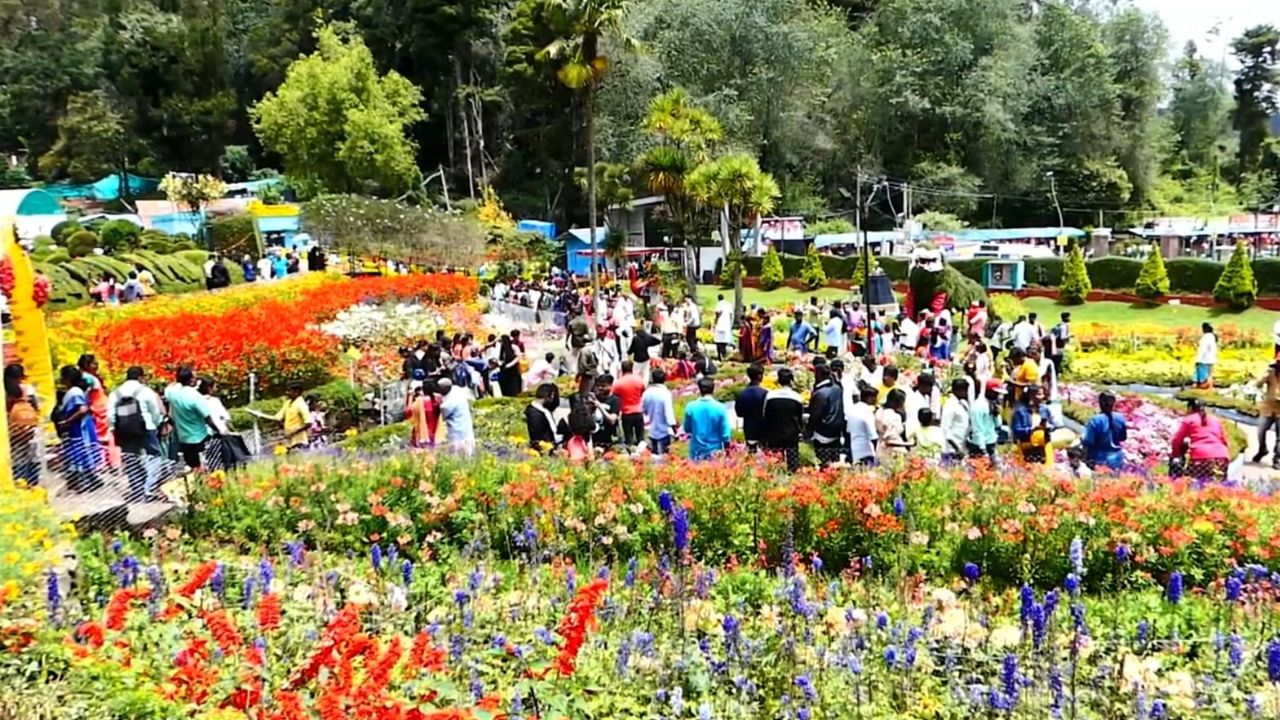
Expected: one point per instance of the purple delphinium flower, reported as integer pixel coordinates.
(375, 555)
(630, 580)
(1235, 653)
(666, 502)
(1075, 553)
(246, 595)
(1233, 587)
(1174, 590)
(899, 506)
(1273, 661)
(1038, 626)
(1143, 634)
(1009, 678)
(406, 572)
(460, 597)
(972, 572)
(266, 573)
(218, 581)
(53, 594)
(393, 553)
(1158, 710)
(297, 553)
(806, 686)
(1122, 554)
(1027, 600)
(1072, 584)
(680, 529)
(571, 580)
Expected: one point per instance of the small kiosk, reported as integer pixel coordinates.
(1002, 274)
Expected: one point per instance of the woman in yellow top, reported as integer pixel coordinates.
(295, 414)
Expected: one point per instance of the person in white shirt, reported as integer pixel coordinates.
(542, 370)
(1048, 374)
(723, 329)
(924, 396)
(264, 268)
(141, 453)
(1206, 357)
(1024, 333)
(217, 411)
(955, 421)
(692, 322)
(860, 418)
(909, 333)
(455, 410)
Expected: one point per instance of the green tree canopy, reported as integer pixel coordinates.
(337, 123)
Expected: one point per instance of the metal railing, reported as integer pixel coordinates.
(531, 317)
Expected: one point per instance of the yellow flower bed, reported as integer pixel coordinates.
(1130, 336)
(1163, 367)
(29, 538)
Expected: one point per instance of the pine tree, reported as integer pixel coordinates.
(812, 275)
(1153, 281)
(771, 270)
(1075, 286)
(1237, 288)
(860, 270)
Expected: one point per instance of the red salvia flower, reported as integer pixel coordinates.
(91, 634)
(577, 621)
(269, 612)
(198, 578)
(223, 630)
(289, 706)
(118, 606)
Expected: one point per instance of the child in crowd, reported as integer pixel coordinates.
(929, 438)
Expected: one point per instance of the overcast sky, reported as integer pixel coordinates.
(1195, 19)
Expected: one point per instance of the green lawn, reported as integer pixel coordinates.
(1171, 316)
(782, 297)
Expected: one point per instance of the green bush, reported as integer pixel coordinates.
(729, 271)
(1006, 306)
(812, 276)
(771, 276)
(57, 257)
(1153, 281)
(1075, 286)
(1236, 287)
(64, 230)
(859, 275)
(1196, 276)
(972, 268)
(81, 243)
(1114, 273)
(833, 226)
(1266, 271)
(233, 235)
(341, 397)
(43, 242)
(185, 246)
(118, 234)
(64, 291)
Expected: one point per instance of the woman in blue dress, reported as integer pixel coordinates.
(81, 449)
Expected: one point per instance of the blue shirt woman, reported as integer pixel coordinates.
(1102, 437)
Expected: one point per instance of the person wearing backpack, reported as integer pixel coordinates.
(135, 413)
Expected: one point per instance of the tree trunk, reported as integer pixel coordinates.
(735, 242)
(591, 186)
(466, 126)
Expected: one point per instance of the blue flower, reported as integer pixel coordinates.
(246, 595)
(1158, 710)
(375, 554)
(971, 572)
(53, 594)
(406, 571)
(1122, 554)
(392, 552)
(460, 597)
(1009, 677)
(680, 529)
(1233, 587)
(666, 502)
(296, 553)
(816, 562)
(899, 506)
(1027, 598)
(1235, 652)
(1072, 584)
(266, 573)
(1174, 590)
(891, 656)
(1273, 661)
(630, 580)
(116, 547)
(218, 581)
(1076, 554)
(806, 686)
(476, 579)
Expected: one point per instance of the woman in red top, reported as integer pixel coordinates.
(1202, 439)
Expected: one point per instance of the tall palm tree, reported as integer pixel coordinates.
(587, 23)
(735, 185)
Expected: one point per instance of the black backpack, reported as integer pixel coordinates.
(130, 424)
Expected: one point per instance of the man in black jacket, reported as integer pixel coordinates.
(826, 424)
(784, 420)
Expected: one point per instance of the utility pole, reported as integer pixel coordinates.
(866, 251)
(1053, 190)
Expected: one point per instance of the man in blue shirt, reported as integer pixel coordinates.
(706, 420)
(1103, 434)
(659, 413)
(801, 336)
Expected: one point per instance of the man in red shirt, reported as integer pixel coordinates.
(630, 389)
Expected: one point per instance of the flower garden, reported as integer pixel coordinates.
(366, 582)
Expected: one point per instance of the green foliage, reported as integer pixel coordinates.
(859, 276)
(1256, 52)
(1006, 306)
(118, 234)
(1153, 281)
(812, 275)
(1075, 286)
(341, 398)
(731, 270)
(233, 235)
(771, 276)
(940, 221)
(394, 229)
(64, 230)
(237, 162)
(81, 243)
(1237, 288)
(338, 125)
(91, 137)
(831, 226)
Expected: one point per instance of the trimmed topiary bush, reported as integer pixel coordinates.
(117, 235)
(1153, 281)
(1196, 276)
(812, 276)
(81, 243)
(1075, 286)
(64, 230)
(771, 276)
(1236, 287)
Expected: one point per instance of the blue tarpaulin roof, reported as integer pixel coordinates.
(1008, 234)
(543, 228)
(108, 188)
(855, 238)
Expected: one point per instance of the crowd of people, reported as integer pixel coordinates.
(134, 434)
